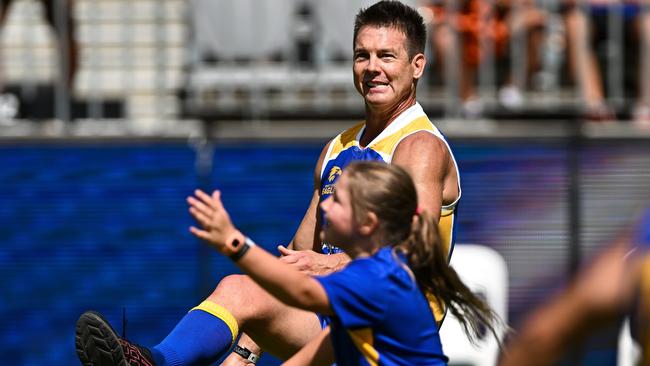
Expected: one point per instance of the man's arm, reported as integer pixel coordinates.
(307, 235)
(302, 252)
(426, 158)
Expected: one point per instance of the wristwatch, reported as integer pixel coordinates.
(246, 353)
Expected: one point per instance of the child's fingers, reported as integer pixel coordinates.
(216, 201)
(198, 205)
(204, 197)
(201, 234)
(200, 217)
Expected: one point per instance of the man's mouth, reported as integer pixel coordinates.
(376, 85)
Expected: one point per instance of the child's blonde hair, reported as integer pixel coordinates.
(389, 192)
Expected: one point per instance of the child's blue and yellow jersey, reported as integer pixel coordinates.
(382, 317)
(345, 148)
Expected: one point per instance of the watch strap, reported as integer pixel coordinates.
(246, 354)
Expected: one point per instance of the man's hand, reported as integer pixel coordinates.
(312, 263)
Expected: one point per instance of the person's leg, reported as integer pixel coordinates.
(65, 29)
(642, 108)
(4, 10)
(206, 332)
(277, 328)
(442, 42)
(584, 65)
(239, 304)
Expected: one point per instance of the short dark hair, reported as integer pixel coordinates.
(389, 13)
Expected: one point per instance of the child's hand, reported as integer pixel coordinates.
(216, 227)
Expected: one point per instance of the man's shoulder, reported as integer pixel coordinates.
(422, 139)
(419, 148)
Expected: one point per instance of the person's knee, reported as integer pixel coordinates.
(232, 286)
(242, 297)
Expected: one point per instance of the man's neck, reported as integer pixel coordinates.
(377, 119)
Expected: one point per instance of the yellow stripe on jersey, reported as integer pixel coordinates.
(345, 140)
(445, 230)
(438, 312)
(388, 143)
(364, 340)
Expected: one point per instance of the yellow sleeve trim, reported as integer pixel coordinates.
(221, 313)
(345, 139)
(438, 312)
(387, 144)
(363, 340)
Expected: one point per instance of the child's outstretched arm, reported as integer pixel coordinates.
(281, 280)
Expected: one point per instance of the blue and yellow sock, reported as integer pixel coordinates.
(201, 337)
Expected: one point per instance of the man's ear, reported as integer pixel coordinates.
(418, 63)
(369, 224)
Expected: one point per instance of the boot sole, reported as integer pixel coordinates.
(96, 342)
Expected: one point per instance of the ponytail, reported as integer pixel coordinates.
(389, 192)
(428, 262)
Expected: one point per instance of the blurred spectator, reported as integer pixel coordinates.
(617, 283)
(477, 21)
(58, 14)
(588, 35)
(642, 109)
(305, 32)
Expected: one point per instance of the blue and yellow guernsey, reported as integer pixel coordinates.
(345, 148)
(382, 317)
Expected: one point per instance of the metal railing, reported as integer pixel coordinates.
(129, 59)
(246, 80)
(291, 58)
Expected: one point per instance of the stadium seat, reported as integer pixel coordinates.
(485, 272)
(244, 29)
(335, 19)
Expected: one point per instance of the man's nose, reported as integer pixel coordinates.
(373, 64)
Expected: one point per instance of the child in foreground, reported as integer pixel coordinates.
(376, 307)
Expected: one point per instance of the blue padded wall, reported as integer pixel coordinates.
(104, 226)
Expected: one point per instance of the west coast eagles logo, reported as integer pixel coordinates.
(334, 172)
(331, 177)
